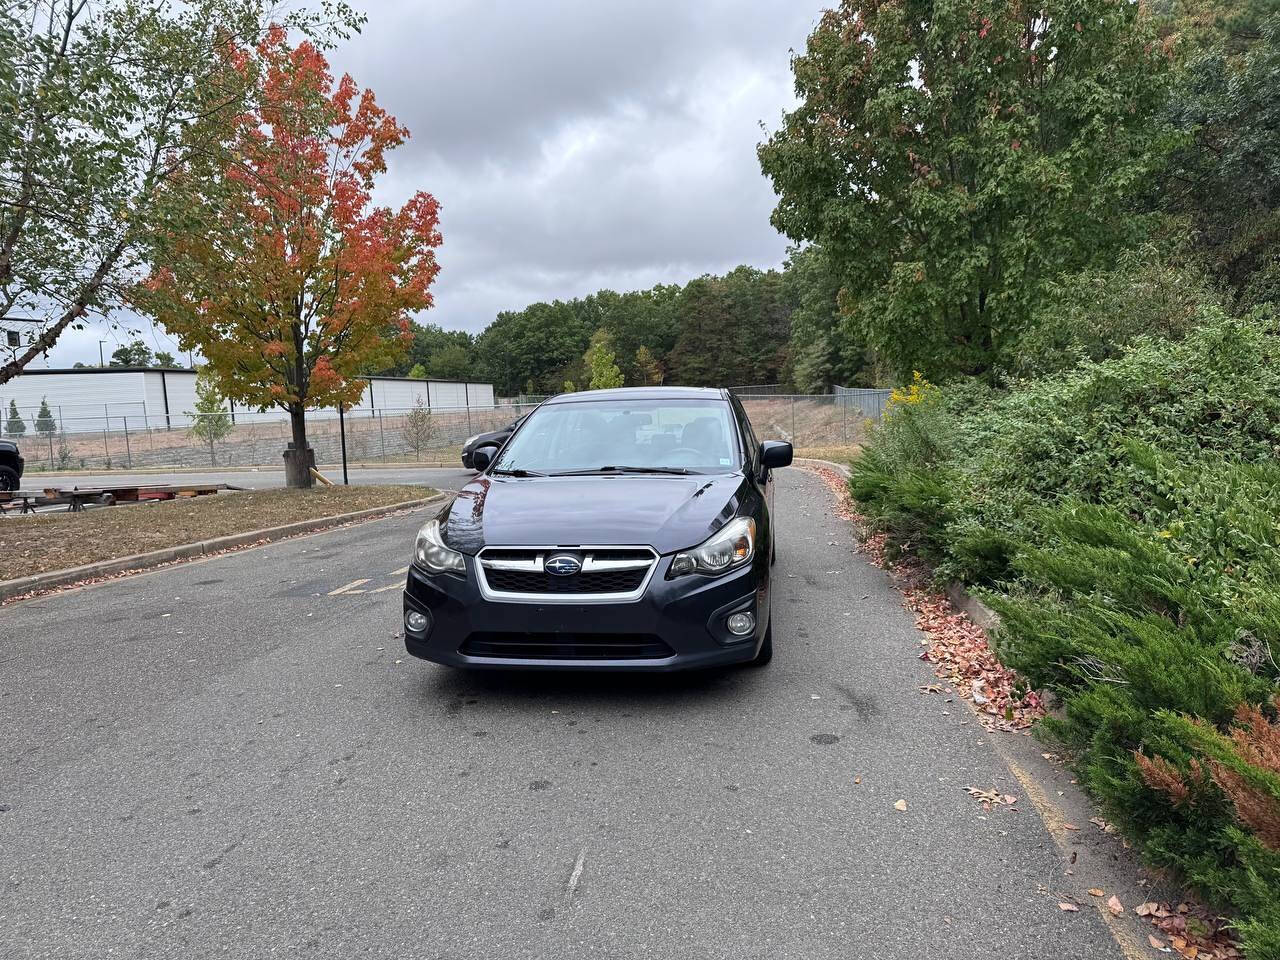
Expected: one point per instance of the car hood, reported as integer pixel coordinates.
(667, 513)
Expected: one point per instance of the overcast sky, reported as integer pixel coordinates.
(572, 144)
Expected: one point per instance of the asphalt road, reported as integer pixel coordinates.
(448, 478)
(235, 758)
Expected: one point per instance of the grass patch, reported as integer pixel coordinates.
(56, 541)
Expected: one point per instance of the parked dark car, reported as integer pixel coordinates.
(626, 529)
(11, 464)
(494, 438)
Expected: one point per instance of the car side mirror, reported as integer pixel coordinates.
(774, 454)
(481, 457)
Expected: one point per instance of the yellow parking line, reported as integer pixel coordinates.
(350, 587)
(393, 586)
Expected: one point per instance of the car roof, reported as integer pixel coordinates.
(644, 393)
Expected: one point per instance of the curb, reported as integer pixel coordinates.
(40, 582)
(809, 462)
(961, 599)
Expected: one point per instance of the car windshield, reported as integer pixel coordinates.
(650, 436)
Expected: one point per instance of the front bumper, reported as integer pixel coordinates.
(675, 625)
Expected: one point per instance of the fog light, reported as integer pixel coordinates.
(416, 622)
(741, 624)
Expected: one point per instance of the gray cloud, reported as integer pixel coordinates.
(577, 145)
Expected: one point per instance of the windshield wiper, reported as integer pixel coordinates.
(677, 471)
(518, 472)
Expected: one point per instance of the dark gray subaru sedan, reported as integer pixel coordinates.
(625, 529)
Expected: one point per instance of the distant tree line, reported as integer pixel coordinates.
(748, 326)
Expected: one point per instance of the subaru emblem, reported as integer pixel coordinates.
(563, 565)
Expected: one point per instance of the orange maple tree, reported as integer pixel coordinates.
(283, 274)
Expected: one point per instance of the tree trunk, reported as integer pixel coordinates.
(299, 458)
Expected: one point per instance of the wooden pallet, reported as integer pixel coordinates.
(77, 498)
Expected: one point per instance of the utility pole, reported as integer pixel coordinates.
(342, 433)
(101, 359)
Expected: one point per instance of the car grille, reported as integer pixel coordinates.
(605, 572)
(566, 646)
(513, 581)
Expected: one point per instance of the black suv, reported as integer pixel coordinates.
(626, 529)
(11, 464)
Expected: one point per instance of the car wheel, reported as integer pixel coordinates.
(766, 649)
(8, 478)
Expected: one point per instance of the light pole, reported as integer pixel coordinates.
(101, 361)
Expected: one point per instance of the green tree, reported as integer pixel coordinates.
(951, 158)
(639, 318)
(417, 372)
(734, 330)
(164, 358)
(210, 420)
(600, 362)
(45, 424)
(648, 372)
(826, 346)
(453, 362)
(132, 354)
(430, 341)
(102, 105)
(1225, 177)
(15, 426)
(536, 348)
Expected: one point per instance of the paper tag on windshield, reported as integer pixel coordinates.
(725, 461)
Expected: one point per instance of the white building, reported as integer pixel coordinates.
(113, 398)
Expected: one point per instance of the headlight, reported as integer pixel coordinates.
(470, 440)
(430, 552)
(731, 546)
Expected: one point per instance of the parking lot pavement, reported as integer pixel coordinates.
(235, 758)
(447, 478)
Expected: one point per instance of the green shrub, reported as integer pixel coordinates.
(1124, 519)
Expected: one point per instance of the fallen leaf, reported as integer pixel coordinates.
(901, 806)
(1115, 906)
(857, 779)
(1069, 907)
(1095, 892)
(1070, 826)
(1155, 941)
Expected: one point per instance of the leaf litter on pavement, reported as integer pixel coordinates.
(961, 655)
(956, 646)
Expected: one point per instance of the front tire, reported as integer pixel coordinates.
(766, 648)
(8, 478)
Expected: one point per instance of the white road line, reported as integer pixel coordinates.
(393, 586)
(349, 588)
(575, 876)
(399, 573)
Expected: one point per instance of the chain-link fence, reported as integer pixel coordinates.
(417, 434)
(807, 420)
